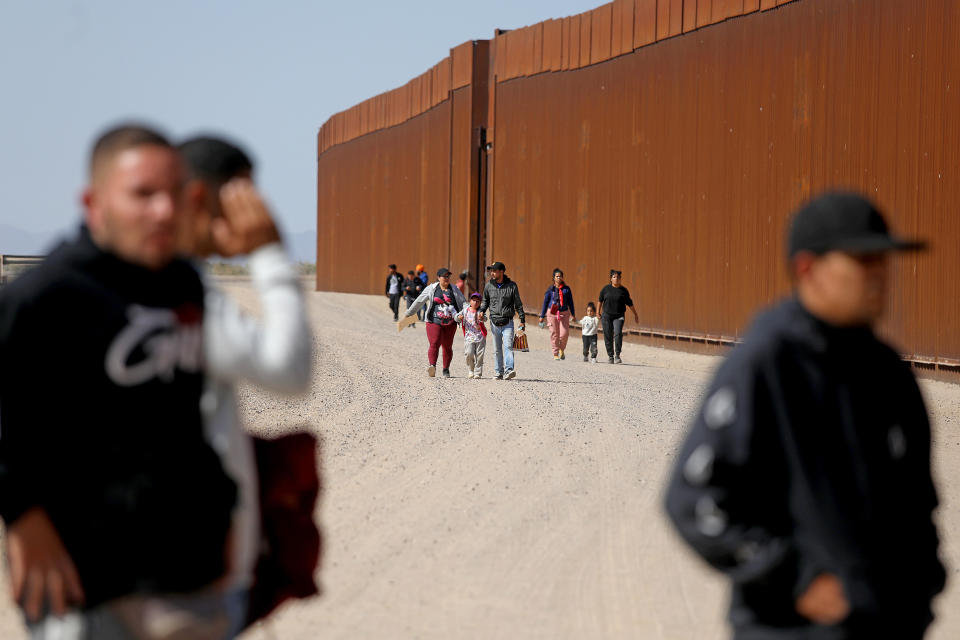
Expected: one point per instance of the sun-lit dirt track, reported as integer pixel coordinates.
(457, 508)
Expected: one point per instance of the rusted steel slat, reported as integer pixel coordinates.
(553, 45)
(461, 64)
(586, 26)
(645, 22)
(601, 31)
(624, 10)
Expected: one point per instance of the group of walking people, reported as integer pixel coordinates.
(805, 475)
(444, 307)
(412, 286)
(558, 308)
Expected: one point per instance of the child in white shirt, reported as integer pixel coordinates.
(588, 330)
(474, 336)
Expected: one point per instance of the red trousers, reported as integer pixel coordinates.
(440, 336)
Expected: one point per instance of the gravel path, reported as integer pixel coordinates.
(508, 509)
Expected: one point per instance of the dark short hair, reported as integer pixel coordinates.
(590, 305)
(463, 276)
(558, 270)
(411, 273)
(392, 266)
(614, 271)
(121, 138)
(214, 160)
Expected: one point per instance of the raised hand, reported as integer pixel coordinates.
(246, 223)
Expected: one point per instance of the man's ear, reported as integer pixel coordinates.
(801, 264)
(91, 213)
(195, 196)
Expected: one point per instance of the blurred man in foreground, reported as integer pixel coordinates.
(117, 508)
(806, 474)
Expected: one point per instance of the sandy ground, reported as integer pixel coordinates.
(457, 508)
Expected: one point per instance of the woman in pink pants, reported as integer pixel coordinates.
(557, 309)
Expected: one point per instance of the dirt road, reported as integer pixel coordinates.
(457, 508)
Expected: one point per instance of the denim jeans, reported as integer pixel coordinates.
(502, 340)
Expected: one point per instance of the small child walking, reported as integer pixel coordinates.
(588, 330)
(474, 337)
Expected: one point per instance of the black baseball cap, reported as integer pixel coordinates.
(443, 272)
(840, 221)
(498, 266)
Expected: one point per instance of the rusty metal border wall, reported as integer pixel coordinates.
(671, 139)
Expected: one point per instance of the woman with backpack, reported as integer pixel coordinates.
(558, 309)
(443, 303)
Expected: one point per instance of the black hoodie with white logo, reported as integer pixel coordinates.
(101, 376)
(811, 454)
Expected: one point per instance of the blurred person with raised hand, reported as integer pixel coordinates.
(805, 476)
(117, 508)
(228, 217)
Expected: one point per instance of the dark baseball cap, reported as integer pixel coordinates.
(840, 221)
(443, 272)
(498, 266)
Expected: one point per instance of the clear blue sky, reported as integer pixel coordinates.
(265, 73)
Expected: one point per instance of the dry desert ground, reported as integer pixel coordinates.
(458, 508)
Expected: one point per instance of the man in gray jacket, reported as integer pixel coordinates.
(502, 297)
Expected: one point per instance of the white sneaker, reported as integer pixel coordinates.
(470, 375)
(593, 360)
(510, 374)
(478, 375)
(431, 370)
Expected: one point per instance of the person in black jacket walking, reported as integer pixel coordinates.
(501, 297)
(394, 290)
(806, 474)
(614, 301)
(412, 287)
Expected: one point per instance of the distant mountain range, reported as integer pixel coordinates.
(302, 246)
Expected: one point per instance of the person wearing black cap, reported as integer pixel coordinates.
(805, 476)
(614, 301)
(502, 297)
(394, 289)
(443, 303)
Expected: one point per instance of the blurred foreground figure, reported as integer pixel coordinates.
(228, 217)
(806, 474)
(117, 508)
